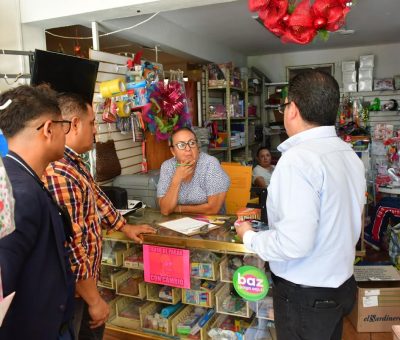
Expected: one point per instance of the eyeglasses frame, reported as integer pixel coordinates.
(58, 121)
(187, 144)
(281, 107)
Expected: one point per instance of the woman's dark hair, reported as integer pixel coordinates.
(185, 128)
(27, 103)
(260, 149)
(316, 95)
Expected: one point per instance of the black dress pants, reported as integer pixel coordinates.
(311, 313)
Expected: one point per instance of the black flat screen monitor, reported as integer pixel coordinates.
(65, 73)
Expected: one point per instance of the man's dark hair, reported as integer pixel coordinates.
(185, 128)
(27, 103)
(316, 94)
(72, 104)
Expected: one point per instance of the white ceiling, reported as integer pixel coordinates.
(222, 29)
(232, 26)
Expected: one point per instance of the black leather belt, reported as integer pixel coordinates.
(288, 283)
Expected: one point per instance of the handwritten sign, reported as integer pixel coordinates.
(166, 266)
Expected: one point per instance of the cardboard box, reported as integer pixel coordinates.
(396, 332)
(377, 307)
(348, 66)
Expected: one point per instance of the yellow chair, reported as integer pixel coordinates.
(238, 194)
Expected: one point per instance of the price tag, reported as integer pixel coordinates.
(370, 301)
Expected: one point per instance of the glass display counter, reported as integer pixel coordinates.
(210, 309)
(222, 239)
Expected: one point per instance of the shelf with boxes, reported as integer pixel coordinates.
(226, 104)
(274, 131)
(359, 76)
(375, 113)
(208, 306)
(228, 302)
(256, 100)
(131, 284)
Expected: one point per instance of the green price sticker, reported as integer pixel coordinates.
(250, 283)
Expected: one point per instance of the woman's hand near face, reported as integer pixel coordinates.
(185, 170)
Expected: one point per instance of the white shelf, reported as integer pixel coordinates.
(272, 106)
(225, 148)
(224, 88)
(373, 93)
(282, 83)
(393, 191)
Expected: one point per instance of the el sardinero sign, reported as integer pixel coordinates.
(250, 283)
(166, 266)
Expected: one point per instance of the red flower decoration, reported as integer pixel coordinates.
(303, 24)
(300, 27)
(333, 12)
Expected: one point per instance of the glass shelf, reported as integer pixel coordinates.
(222, 239)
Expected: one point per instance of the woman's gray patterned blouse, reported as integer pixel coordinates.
(209, 179)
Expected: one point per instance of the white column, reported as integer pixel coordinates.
(95, 36)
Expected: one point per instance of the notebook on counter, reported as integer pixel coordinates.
(189, 226)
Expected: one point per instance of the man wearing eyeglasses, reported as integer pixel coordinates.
(315, 201)
(33, 258)
(73, 186)
(191, 181)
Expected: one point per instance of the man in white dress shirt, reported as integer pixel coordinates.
(314, 206)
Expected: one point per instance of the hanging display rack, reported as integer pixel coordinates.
(30, 56)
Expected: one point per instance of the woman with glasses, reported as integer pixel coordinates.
(191, 181)
(262, 172)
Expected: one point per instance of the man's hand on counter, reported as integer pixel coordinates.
(242, 227)
(135, 231)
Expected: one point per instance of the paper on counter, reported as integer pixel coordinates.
(186, 225)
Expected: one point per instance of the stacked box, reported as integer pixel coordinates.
(365, 73)
(377, 306)
(349, 76)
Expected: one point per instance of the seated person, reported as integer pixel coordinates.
(262, 172)
(191, 181)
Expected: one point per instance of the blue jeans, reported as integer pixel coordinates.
(311, 313)
(81, 323)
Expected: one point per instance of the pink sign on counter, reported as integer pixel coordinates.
(166, 266)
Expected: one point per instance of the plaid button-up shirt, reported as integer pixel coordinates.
(74, 187)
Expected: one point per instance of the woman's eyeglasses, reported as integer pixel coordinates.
(182, 145)
(65, 123)
(281, 108)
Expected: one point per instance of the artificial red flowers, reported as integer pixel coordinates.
(300, 24)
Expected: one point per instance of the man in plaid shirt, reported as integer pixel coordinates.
(73, 186)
